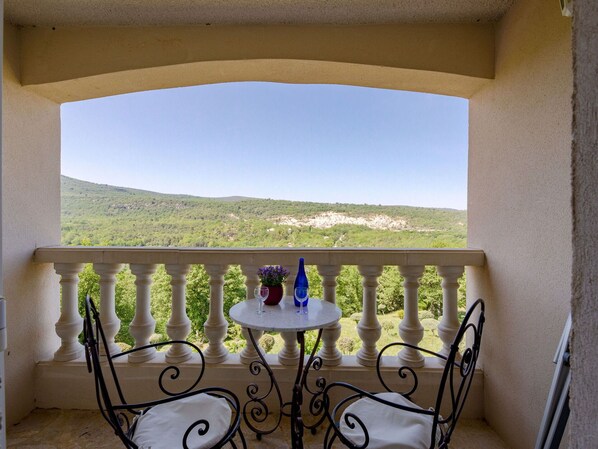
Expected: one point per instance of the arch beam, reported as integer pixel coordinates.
(68, 64)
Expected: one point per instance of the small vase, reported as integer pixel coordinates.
(274, 295)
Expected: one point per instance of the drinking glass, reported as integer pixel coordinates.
(301, 295)
(261, 294)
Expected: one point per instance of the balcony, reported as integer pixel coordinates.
(515, 69)
(67, 370)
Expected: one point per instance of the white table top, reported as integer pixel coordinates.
(283, 317)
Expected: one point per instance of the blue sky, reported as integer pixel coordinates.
(324, 143)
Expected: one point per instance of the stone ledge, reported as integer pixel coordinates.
(68, 385)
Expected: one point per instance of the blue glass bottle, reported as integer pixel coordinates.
(300, 281)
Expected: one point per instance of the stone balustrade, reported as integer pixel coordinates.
(108, 261)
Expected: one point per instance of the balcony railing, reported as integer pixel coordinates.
(108, 261)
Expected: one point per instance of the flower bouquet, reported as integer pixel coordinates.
(273, 276)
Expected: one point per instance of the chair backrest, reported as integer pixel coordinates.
(120, 414)
(459, 371)
(457, 376)
(93, 334)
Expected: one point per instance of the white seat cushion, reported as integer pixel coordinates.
(388, 428)
(163, 426)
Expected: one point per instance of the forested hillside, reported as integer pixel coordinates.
(94, 214)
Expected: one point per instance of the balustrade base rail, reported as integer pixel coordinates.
(68, 385)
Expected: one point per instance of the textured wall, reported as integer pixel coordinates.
(31, 217)
(68, 64)
(584, 387)
(519, 213)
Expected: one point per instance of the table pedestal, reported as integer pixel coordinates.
(283, 317)
(256, 410)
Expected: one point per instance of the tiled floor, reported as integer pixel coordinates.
(78, 429)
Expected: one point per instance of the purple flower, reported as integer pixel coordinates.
(271, 275)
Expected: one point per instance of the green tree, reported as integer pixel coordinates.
(349, 291)
(390, 291)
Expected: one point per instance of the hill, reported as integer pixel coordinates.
(99, 214)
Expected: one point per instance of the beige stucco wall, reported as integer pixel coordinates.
(519, 209)
(68, 64)
(584, 364)
(31, 217)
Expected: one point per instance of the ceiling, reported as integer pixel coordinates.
(191, 12)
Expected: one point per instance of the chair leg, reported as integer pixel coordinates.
(242, 438)
(328, 441)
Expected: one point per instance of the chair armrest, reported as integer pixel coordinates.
(456, 363)
(174, 370)
(407, 345)
(404, 371)
(358, 393)
(157, 345)
(230, 397)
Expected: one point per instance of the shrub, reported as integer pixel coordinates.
(430, 324)
(235, 345)
(157, 338)
(356, 317)
(424, 314)
(267, 342)
(310, 341)
(346, 345)
(234, 332)
(388, 326)
(123, 346)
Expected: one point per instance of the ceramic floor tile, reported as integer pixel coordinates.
(84, 429)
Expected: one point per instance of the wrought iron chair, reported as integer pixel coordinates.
(192, 418)
(390, 419)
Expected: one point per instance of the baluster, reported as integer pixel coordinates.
(289, 284)
(410, 329)
(216, 325)
(110, 322)
(448, 327)
(369, 328)
(179, 325)
(248, 354)
(289, 353)
(330, 354)
(70, 323)
(143, 325)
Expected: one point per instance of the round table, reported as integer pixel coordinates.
(283, 317)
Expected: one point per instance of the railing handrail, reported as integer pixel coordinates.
(262, 256)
